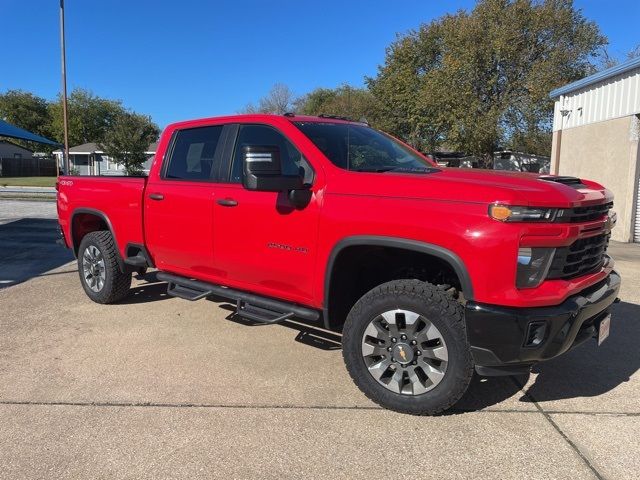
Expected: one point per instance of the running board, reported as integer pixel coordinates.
(248, 305)
(262, 315)
(186, 292)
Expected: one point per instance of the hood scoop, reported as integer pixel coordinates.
(572, 182)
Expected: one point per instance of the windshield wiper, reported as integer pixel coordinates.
(414, 169)
(373, 169)
(396, 169)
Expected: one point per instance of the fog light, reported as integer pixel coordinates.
(533, 266)
(535, 334)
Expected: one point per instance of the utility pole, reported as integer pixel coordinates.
(65, 153)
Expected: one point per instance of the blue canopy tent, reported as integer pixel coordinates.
(8, 130)
(20, 167)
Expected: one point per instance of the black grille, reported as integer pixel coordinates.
(581, 257)
(583, 214)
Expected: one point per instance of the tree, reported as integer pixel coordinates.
(634, 52)
(90, 117)
(28, 111)
(279, 100)
(607, 60)
(346, 101)
(127, 140)
(477, 81)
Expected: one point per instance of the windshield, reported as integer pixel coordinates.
(363, 149)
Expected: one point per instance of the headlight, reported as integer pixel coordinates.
(505, 213)
(533, 266)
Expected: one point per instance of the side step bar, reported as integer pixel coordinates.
(258, 314)
(248, 305)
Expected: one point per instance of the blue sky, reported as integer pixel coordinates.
(187, 59)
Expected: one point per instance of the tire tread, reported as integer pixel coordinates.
(120, 282)
(434, 298)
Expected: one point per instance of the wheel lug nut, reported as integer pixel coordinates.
(403, 337)
(393, 360)
(414, 363)
(394, 340)
(388, 349)
(413, 342)
(418, 352)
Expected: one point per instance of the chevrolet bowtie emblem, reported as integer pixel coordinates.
(403, 354)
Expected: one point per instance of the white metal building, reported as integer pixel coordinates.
(596, 131)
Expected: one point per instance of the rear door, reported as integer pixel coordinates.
(179, 204)
(262, 243)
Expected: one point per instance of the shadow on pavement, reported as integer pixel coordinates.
(308, 334)
(28, 249)
(486, 392)
(589, 371)
(152, 290)
(586, 371)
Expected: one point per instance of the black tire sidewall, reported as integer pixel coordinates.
(105, 295)
(459, 364)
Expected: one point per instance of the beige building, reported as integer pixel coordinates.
(596, 128)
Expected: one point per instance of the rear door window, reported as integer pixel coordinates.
(194, 154)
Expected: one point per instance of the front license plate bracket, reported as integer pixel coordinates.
(604, 328)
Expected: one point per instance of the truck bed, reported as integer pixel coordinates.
(116, 200)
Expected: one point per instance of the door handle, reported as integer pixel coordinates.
(227, 202)
(156, 196)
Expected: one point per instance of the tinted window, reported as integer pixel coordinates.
(193, 153)
(293, 163)
(360, 148)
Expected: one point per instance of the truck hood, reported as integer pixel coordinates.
(476, 186)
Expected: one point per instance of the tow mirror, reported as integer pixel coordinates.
(263, 170)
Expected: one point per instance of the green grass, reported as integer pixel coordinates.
(27, 181)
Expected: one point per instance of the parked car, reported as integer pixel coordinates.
(430, 273)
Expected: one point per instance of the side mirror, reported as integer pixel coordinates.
(263, 170)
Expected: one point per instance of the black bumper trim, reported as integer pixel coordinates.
(497, 334)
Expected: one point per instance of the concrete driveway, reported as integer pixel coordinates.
(157, 387)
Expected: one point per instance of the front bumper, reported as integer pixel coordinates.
(500, 337)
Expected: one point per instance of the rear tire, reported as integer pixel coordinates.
(419, 322)
(100, 274)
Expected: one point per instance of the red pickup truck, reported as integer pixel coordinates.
(429, 273)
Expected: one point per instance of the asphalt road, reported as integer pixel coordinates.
(157, 387)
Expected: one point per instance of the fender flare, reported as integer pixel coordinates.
(105, 218)
(403, 243)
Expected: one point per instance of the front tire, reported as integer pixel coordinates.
(405, 346)
(100, 274)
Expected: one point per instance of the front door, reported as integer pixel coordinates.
(262, 243)
(179, 203)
